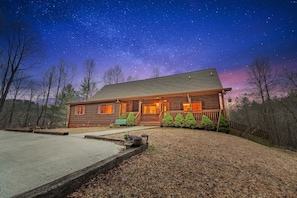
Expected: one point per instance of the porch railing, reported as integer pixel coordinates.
(213, 114)
(161, 117)
(137, 118)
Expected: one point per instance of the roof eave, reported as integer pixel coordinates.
(211, 91)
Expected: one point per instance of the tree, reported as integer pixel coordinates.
(224, 125)
(289, 80)
(206, 122)
(47, 86)
(167, 121)
(130, 119)
(190, 121)
(68, 94)
(32, 92)
(131, 78)
(20, 43)
(17, 85)
(179, 120)
(113, 76)
(88, 86)
(262, 78)
(156, 72)
(64, 75)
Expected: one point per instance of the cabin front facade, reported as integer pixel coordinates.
(200, 92)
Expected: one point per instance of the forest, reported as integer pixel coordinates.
(270, 104)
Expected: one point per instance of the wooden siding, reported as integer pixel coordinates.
(208, 102)
(91, 116)
(150, 117)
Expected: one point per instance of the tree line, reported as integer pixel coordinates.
(29, 100)
(270, 104)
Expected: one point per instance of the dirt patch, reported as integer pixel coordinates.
(80, 130)
(192, 163)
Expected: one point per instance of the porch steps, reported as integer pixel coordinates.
(149, 123)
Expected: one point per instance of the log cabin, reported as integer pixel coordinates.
(200, 92)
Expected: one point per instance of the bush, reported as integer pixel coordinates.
(190, 121)
(167, 120)
(123, 116)
(224, 125)
(206, 122)
(179, 120)
(131, 119)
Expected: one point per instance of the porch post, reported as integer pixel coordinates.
(223, 103)
(68, 115)
(119, 104)
(190, 101)
(139, 106)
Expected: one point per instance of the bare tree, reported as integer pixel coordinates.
(156, 72)
(289, 80)
(131, 78)
(113, 76)
(88, 86)
(47, 86)
(63, 78)
(19, 44)
(262, 77)
(32, 90)
(17, 85)
(264, 81)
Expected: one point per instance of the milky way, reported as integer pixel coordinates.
(173, 36)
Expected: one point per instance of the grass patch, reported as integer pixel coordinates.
(153, 149)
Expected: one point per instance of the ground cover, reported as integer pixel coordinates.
(193, 163)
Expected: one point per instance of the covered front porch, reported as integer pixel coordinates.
(150, 111)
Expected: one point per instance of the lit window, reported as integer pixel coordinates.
(124, 107)
(149, 109)
(106, 109)
(196, 106)
(186, 106)
(79, 110)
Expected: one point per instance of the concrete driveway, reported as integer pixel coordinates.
(29, 160)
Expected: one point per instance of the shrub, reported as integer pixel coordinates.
(130, 119)
(190, 121)
(179, 120)
(224, 125)
(206, 122)
(167, 120)
(123, 116)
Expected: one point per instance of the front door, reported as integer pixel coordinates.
(135, 104)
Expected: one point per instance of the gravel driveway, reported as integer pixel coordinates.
(193, 163)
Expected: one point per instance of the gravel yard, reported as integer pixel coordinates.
(193, 163)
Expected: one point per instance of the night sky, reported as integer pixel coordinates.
(173, 36)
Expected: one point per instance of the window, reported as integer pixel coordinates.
(106, 109)
(196, 106)
(79, 110)
(124, 107)
(149, 109)
(166, 106)
(186, 106)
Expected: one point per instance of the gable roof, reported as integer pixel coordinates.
(196, 81)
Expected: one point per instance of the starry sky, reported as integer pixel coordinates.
(174, 36)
